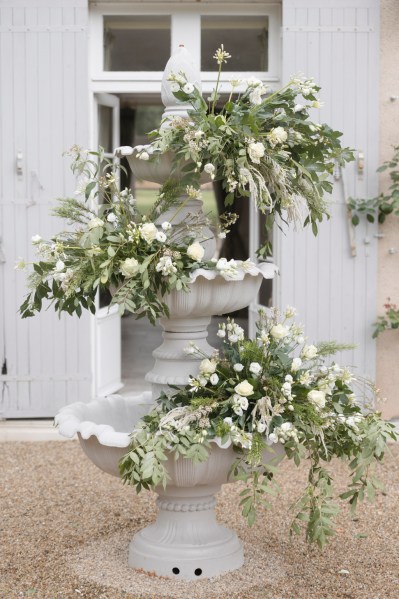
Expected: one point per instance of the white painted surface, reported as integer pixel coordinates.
(333, 291)
(43, 113)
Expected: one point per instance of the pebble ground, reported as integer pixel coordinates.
(65, 528)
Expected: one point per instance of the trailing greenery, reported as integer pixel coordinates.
(383, 204)
(110, 245)
(273, 392)
(259, 144)
(390, 320)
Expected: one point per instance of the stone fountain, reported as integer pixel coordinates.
(185, 540)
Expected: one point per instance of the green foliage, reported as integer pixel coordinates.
(385, 203)
(270, 393)
(390, 320)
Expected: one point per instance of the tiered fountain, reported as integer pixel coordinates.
(185, 541)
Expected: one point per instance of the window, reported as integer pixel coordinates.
(136, 43)
(245, 38)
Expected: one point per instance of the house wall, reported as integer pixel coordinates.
(388, 273)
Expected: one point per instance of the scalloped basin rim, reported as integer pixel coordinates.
(68, 422)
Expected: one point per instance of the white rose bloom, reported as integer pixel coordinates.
(244, 388)
(129, 267)
(36, 239)
(214, 378)
(278, 135)
(279, 331)
(317, 398)
(261, 427)
(300, 339)
(238, 367)
(209, 168)
(166, 226)
(255, 368)
(207, 366)
(195, 251)
(59, 266)
(222, 264)
(160, 236)
(273, 438)
(111, 217)
(174, 86)
(243, 403)
(256, 150)
(221, 333)
(95, 222)
(296, 364)
(188, 88)
(144, 156)
(202, 381)
(148, 232)
(309, 352)
(286, 426)
(228, 420)
(255, 96)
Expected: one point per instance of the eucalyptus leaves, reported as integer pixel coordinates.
(272, 392)
(259, 144)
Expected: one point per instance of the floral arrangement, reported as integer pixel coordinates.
(141, 258)
(390, 320)
(273, 391)
(257, 143)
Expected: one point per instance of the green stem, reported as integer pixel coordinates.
(216, 89)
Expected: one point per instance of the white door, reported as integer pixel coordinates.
(106, 325)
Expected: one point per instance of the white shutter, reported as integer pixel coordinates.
(45, 361)
(336, 42)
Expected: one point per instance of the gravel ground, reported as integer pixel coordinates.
(65, 527)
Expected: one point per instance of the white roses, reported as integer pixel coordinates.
(256, 151)
(195, 251)
(95, 222)
(317, 398)
(148, 232)
(244, 388)
(255, 368)
(309, 352)
(129, 267)
(279, 331)
(207, 366)
(278, 135)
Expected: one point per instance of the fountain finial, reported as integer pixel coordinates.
(180, 61)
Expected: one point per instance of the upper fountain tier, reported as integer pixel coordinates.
(157, 171)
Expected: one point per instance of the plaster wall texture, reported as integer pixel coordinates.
(388, 271)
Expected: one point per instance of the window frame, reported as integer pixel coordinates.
(185, 28)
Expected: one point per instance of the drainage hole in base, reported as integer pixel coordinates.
(175, 570)
(198, 572)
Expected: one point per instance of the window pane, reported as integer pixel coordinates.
(140, 43)
(245, 38)
(105, 128)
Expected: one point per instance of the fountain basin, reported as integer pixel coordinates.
(186, 540)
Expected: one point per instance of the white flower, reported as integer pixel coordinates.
(279, 331)
(174, 86)
(148, 232)
(59, 266)
(228, 420)
(95, 222)
(273, 438)
(255, 96)
(166, 266)
(129, 267)
(36, 239)
(188, 88)
(111, 217)
(195, 251)
(309, 352)
(317, 398)
(290, 312)
(221, 333)
(20, 264)
(166, 226)
(244, 388)
(278, 135)
(144, 156)
(160, 236)
(222, 235)
(243, 403)
(298, 108)
(255, 368)
(238, 367)
(306, 378)
(317, 104)
(256, 150)
(207, 366)
(210, 169)
(296, 364)
(214, 378)
(300, 339)
(261, 427)
(286, 389)
(288, 378)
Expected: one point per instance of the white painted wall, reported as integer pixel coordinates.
(43, 112)
(336, 42)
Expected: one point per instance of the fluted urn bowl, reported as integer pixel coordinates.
(186, 540)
